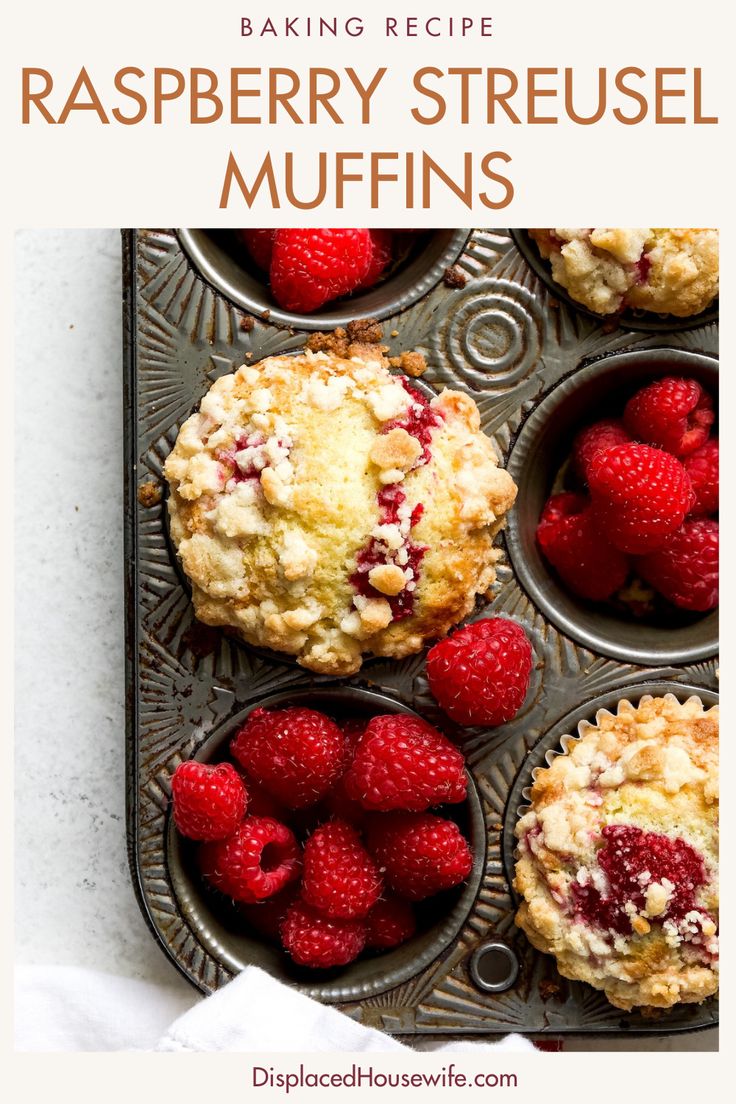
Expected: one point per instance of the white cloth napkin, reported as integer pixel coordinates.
(62, 1008)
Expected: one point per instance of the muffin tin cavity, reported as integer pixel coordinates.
(224, 262)
(598, 389)
(225, 935)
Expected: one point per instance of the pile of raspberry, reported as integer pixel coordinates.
(308, 268)
(645, 503)
(322, 832)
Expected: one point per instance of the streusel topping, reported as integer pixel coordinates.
(618, 855)
(325, 508)
(669, 271)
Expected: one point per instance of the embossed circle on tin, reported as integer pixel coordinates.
(494, 966)
(491, 334)
(208, 252)
(224, 936)
(543, 443)
(640, 321)
(558, 739)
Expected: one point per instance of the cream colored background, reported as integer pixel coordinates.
(87, 175)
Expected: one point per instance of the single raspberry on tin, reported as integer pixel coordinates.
(311, 267)
(390, 923)
(340, 879)
(685, 569)
(296, 754)
(420, 854)
(208, 801)
(597, 438)
(571, 541)
(319, 941)
(258, 860)
(382, 251)
(259, 244)
(672, 413)
(402, 762)
(640, 495)
(702, 467)
(480, 674)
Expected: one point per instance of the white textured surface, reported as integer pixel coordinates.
(74, 901)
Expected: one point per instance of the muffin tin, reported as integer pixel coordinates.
(511, 345)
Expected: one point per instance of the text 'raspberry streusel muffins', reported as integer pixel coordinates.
(618, 855)
(668, 271)
(325, 508)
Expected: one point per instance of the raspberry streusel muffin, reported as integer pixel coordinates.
(325, 508)
(666, 271)
(618, 855)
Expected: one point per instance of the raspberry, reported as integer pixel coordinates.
(310, 267)
(685, 569)
(382, 248)
(315, 940)
(297, 754)
(421, 854)
(480, 674)
(702, 467)
(208, 801)
(674, 414)
(640, 495)
(340, 878)
(259, 244)
(570, 540)
(337, 803)
(627, 854)
(266, 917)
(390, 922)
(258, 860)
(261, 803)
(402, 762)
(597, 438)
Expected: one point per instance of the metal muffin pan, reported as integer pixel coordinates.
(640, 321)
(506, 342)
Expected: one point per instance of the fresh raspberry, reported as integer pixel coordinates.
(628, 853)
(297, 754)
(382, 251)
(315, 940)
(584, 560)
(685, 569)
(340, 878)
(337, 803)
(597, 438)
(258, 860)
(259, 244)
(672, 413)
(311, 267)
(420, 854)
(480, 674)
(702, 467)
(402, 762)
(390, 922)
(640, 495)
(261, 802)
(208, 801)
(266, 917)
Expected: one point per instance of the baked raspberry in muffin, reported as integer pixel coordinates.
(325, 508)
(662, 270)
(618, 854)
